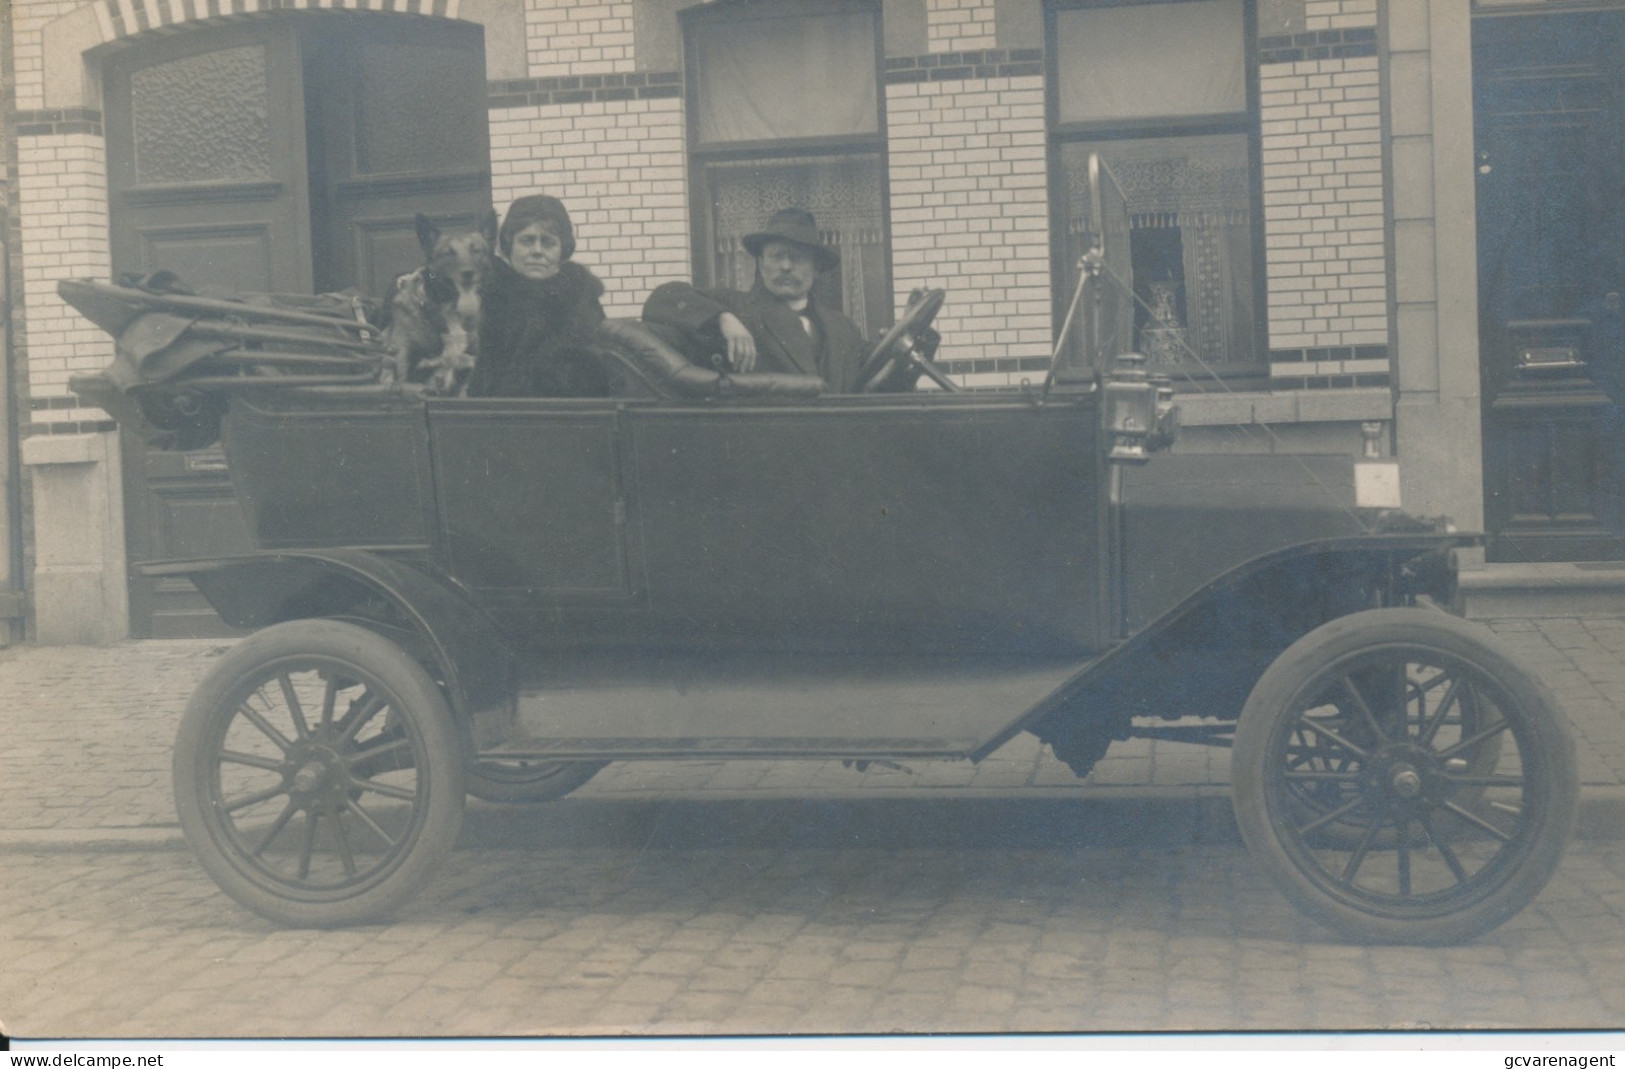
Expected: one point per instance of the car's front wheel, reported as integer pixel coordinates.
(1403, 778)
(318, 774)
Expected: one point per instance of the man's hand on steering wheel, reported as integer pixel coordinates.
(926, 343)
(905, 353)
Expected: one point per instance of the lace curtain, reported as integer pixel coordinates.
(843, 193)
(1198, 187)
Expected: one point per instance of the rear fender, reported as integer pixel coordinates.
(1202, 657)
(425, 613)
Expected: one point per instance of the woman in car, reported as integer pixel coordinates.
(539, 310)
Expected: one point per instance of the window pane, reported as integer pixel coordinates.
(1151, 61)
(202, 118)
(413, 108)
(842, 192)
(1188, 204)
(786, 76)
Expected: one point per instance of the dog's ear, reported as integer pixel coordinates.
(488, 228)
(428, 234)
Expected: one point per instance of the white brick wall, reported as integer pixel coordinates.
(1323, 204)
(572, 37)
(1341, 14)
(29, 18)
(618, 166)
(62, 192)
(959, 25)
(970, 213)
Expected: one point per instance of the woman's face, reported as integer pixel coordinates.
(536, 251)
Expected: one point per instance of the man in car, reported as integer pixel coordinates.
(776, 326)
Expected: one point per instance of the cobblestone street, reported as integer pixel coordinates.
(691, 917)
(753, 897)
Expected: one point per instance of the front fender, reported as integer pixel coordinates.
(1202, 657)
(425, 612)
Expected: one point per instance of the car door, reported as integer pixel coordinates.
(902, 576)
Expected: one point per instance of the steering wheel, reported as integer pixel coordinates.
(899, 347)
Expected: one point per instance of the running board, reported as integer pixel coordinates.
(604, 706)
(759, 748)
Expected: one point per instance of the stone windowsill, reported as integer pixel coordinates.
(1285, 406)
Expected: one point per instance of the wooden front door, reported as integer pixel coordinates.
(1549, 104)
(285, 155)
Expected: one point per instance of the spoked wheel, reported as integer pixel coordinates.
(1403, 779)
(318, 774)
(526, 782)
(1323, 776)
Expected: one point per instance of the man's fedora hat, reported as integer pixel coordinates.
(795, 225)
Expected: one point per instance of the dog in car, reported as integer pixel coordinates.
(433, 317)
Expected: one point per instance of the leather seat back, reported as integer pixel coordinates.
(646, 363)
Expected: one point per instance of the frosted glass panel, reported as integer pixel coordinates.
(417, 108)
(1151, 61)
(203, 118)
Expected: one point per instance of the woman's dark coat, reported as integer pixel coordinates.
(536, 338)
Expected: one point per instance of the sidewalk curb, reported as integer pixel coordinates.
(90, 840)
(1601, 816)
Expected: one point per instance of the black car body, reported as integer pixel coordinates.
(499, 595)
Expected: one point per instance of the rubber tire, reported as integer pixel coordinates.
(412, 693)
(1531, 702)
(543, 782)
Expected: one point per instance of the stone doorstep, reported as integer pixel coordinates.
(1500, 591)
(1602, 813)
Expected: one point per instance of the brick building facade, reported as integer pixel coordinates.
(1333, 223)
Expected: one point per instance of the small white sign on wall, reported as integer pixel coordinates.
(1376, 484)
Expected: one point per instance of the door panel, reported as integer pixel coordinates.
(1549, 106)
(206, 157)
(845, 525)
(530, 498)
(242, 253)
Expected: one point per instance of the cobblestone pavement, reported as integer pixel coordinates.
(743, 918)
(758, 897)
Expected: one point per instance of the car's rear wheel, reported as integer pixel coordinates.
(318, 774)
(520, 782)
(1403, 778)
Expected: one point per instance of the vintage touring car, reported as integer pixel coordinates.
(498, 596)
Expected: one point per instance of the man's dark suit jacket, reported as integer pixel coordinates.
(687, 318)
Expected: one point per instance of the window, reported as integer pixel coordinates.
(785, 110)
(1163, 92)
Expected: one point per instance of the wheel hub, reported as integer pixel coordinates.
(1407, 775)
(309, 777)
(317, 772)
(1405, 782)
